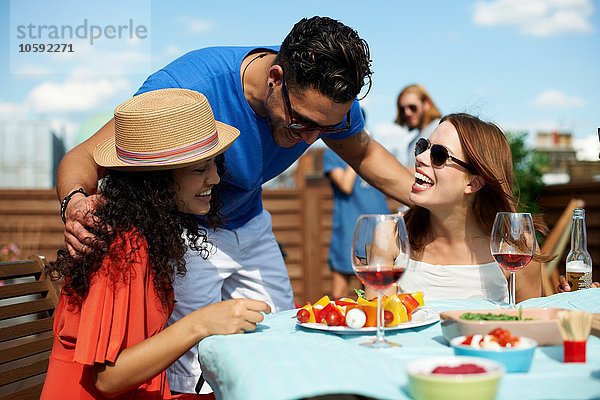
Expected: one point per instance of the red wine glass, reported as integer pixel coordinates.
(380, 251)
(512, 244)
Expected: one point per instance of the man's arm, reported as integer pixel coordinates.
(78, 170)
(375, 164)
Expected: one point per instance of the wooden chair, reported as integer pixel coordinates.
(556, 243)
(27, 304)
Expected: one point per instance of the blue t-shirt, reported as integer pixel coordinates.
(254, 158)
(364, 199)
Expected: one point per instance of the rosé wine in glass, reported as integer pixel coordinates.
(380, 251)
(512, 244)
(379, 279)
(513, 262)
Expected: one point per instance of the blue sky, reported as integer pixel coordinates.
(525, 64)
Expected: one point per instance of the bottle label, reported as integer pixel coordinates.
(579, 275)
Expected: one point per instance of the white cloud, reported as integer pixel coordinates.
(196, 25)
(587, 148)
(101, 61)
(32, 70)
(391, 136)
(11, 110)
(172, 51)
(374, 100)
(76, 93)
(552, 98)
(537, 17)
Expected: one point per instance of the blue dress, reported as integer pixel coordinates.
(364, 199)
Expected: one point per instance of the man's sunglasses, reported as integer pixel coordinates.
(411, 107)
(439, 155)
(298, 126)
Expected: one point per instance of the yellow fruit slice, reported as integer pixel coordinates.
(395, 306)
(323, 301)
(419, 297)
(363, 302)
(348, 300)
(309, 308)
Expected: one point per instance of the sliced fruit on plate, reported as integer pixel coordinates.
(419, 298)
(334, 317)
(397, 309)
(410, 303)
(324, 315)
(395, 306)
(301, 315)
(344, 301)
(323, 301)
(317, 308)
(371, 313)
(364, 302)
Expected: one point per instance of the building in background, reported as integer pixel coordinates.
(563, 166)
(29, 154)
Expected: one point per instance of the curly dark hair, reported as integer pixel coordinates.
(326, 55)
(142, 206)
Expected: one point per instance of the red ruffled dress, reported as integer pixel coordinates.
(113, 317)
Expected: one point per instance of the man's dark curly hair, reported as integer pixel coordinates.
(323, 54)
(142, 205)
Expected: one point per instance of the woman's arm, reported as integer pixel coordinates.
(343, 178)
(529, 282)
(149, 358)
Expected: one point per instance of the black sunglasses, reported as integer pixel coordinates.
(411, 107)
(299, 126)
(439, 155)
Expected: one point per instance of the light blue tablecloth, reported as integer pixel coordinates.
(282, 361)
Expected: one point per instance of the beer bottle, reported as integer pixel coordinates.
(579, 262)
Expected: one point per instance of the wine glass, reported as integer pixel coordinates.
(379, 256)
(513, 244)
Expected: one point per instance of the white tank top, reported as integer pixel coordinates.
(440, 282)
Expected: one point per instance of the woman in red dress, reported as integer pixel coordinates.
(162, 168)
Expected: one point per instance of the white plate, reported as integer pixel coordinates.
(421, 317)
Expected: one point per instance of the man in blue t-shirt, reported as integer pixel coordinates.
(282, 99)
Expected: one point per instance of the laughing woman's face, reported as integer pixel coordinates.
(194, 184)
(443, 185)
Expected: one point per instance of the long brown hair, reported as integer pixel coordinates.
(423, 94)
(486, 148)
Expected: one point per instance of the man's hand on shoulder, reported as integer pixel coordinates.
(79, 217)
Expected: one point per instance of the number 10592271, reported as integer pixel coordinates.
(46, 48)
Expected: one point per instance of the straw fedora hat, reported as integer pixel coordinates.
(164, 129)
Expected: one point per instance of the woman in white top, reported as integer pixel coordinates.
(463, 177)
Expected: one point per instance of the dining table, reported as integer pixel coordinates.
(283, 360)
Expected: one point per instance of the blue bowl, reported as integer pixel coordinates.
(514, 359)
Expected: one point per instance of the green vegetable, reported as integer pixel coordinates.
(360, 293)
(493, 317)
